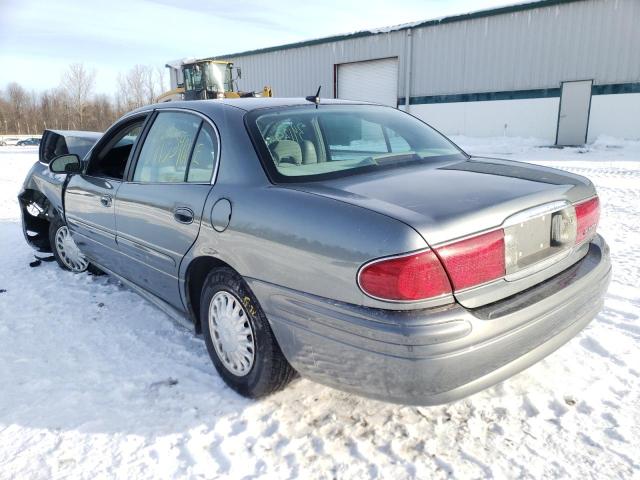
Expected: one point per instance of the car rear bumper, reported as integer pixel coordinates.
(440, 355)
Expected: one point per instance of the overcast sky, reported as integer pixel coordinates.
(39, 38)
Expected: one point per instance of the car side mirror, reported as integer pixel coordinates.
(65, 164)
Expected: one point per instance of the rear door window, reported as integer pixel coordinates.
(165, 154)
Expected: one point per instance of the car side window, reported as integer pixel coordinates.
(165, 153)
(204, 155)
(111, 161)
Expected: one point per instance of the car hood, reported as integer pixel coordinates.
(448, 201)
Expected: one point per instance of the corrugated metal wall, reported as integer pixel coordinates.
(597, 39)
(521, 50)
(298, 72)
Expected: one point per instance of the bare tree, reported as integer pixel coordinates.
(103, 113)
(4, 114)
(18, 103)
(78, 82)
(72, 105)
(160, 75)
(139, 86)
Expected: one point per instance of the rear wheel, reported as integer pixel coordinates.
(64, 249)
(238, 337)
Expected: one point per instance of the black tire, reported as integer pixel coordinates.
(55, 224)
(270, 371)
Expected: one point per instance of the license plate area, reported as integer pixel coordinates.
(536, 238)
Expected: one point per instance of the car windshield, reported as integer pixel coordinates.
(307, 143)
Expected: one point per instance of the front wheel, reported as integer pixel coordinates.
(65, 250)
(238, 337)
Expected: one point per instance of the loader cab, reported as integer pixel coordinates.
(207, 79)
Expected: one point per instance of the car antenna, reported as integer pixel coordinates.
(314, 98)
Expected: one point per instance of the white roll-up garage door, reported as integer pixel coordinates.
(370, 81)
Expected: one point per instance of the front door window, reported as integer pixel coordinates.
(111, 161)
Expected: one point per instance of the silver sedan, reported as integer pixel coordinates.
(350, 243)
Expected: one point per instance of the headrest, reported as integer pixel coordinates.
(286, 151)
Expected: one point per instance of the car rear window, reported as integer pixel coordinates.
(304, 143)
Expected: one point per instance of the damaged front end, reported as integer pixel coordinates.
(35, 209)
(41, 195)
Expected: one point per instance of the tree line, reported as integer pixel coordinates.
(74, 105)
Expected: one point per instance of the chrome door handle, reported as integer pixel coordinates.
(106, 200)
(183, 215)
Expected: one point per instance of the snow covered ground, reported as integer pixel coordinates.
(97, 383)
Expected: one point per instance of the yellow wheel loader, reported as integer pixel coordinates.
(205, 79)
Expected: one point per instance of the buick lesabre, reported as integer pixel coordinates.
(350, 243)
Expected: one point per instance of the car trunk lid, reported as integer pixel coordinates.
(451, 201)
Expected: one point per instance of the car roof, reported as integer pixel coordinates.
(253, 103)
(247, 104)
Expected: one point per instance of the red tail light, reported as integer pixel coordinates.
(467, 263)
(474, 260)
(588, 215)
(410, 277)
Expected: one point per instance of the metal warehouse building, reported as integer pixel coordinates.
(565, 71)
